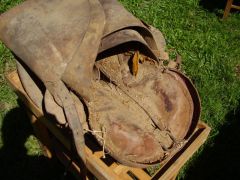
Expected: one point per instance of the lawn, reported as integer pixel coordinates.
(210, 49)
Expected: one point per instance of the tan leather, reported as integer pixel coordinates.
(77, 49)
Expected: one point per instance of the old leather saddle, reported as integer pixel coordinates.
(98, 69)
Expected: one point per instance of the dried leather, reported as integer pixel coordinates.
(31, 84)
(79, 51)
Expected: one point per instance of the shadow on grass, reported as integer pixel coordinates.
(213, 5)
(216, 5)
(222, 160)
(14, 161)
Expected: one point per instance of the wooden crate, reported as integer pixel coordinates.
(55, 142)
(228, 8)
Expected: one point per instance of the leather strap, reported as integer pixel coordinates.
(78, 73)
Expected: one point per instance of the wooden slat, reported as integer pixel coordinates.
(99, 169)
(235, 7)
(121, 169)
(227, 8)
(187, 154)
(66, 160)
(196, 140)
(140, 173)
(113, 165)
(98, 154)
(42, 133)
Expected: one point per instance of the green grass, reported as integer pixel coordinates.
(210, 49)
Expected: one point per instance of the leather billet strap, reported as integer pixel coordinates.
(79, 71)
(32, 86)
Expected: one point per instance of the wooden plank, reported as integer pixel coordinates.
(94, 164)
(113, 165)
(227, 8)
(187, 154)
(41, 133)
(98, 154)
(140, 173)
(125, 176)
(99, 169)
(66, 160)
(120, 169)
(173, 166)
(235, 7)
